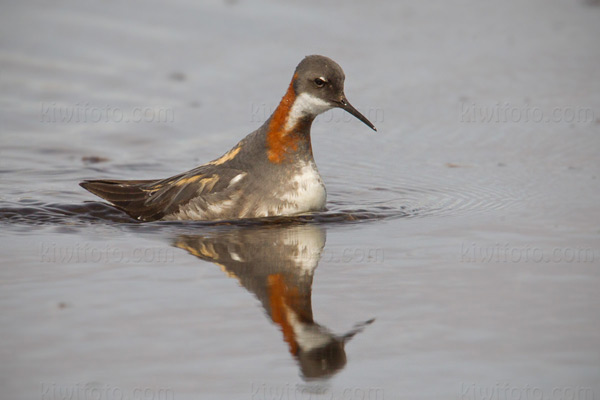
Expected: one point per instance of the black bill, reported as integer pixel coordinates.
(345, 105)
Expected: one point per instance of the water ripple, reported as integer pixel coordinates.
(427, 197)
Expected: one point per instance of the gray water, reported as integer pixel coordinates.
(459, 255)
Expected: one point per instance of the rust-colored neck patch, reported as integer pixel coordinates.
(279, 297)
(281, 142)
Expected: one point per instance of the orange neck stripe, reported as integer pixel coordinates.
(279, 141)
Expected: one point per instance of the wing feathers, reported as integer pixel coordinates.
(151, 200)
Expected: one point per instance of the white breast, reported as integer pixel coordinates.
(307, 192)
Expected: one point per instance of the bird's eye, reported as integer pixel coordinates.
(320, 82)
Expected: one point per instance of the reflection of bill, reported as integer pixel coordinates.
(277, 265)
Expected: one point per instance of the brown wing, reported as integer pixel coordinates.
(151, 200)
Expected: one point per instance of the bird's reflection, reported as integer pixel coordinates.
(277, 264)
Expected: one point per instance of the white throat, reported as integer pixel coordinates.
(305, 104)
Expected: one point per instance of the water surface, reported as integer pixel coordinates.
(459, 253)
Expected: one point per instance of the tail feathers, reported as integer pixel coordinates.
(129, 196)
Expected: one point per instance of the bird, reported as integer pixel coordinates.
(271, 172)
(277, 265)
